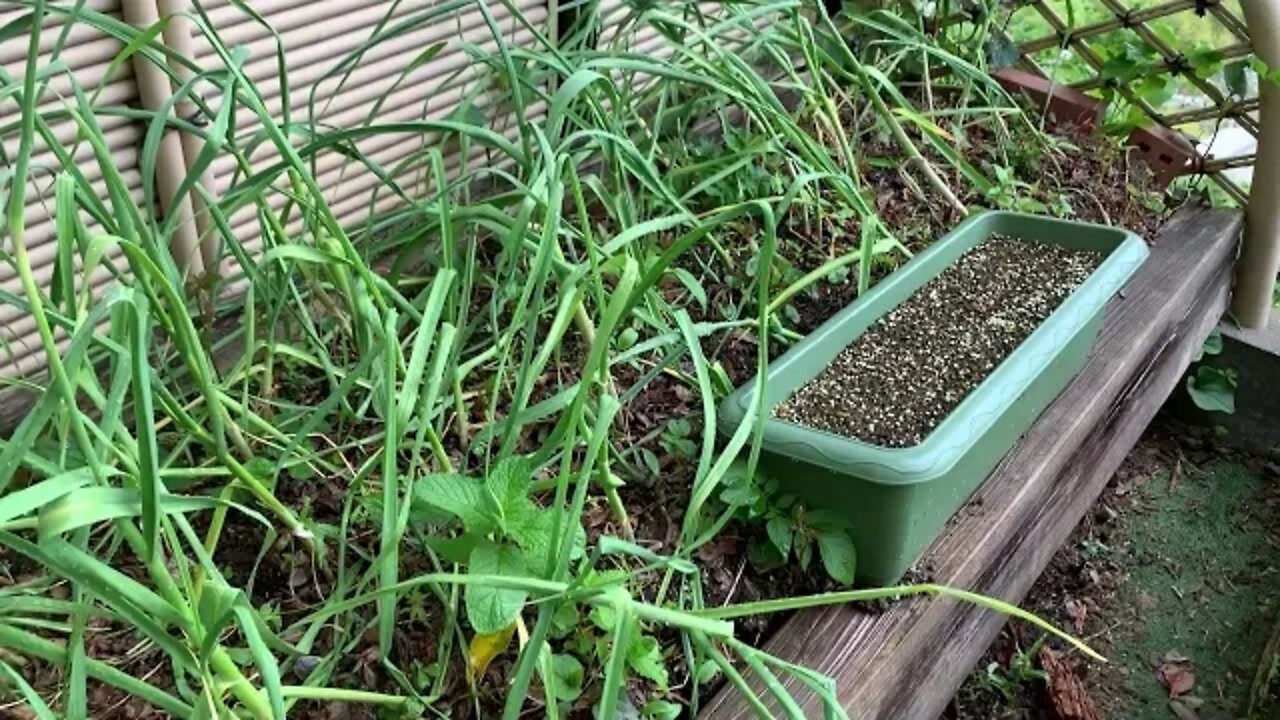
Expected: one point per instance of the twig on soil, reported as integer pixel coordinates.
(733, 587)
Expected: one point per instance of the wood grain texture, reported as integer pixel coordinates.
(905, 663)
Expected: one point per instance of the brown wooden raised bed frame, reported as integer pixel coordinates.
(906, 663)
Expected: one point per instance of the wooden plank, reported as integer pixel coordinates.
(906, 662)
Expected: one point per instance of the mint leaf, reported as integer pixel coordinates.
(838, 555)
(804, 551)
(780, 534)
(534, 535)
(491, 609)
(645, 657)
(660, 710)
(567, 673)
(459, 496)
(707, 671)
(455, 549)
(508, 486)
(603, 617)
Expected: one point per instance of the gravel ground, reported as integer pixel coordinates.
(910, 369)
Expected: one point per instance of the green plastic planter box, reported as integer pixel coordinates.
(898, 499)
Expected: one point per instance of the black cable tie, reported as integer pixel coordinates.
(1178, 64)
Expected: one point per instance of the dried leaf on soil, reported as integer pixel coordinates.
(1078, 612)
(1068, 697)
(1177, 677)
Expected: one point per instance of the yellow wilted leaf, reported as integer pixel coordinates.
(485, 647)
(924, 123)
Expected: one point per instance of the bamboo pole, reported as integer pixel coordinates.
(177, 35)
(171, 167)
(1260, 252)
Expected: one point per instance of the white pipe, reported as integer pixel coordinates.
(177, 35)
(155, 90)
(1260, 252)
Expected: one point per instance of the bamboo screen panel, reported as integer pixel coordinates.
(376, 90)
(87, 54)
(316, 36)
(1184, 64)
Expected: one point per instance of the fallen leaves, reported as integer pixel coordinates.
(1067, 694)
(1174, 672)
(1078, 611)
(487, 646)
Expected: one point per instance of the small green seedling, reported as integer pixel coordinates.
(790, 527)
(504, 532)
(1212, 388)
(1012, 682)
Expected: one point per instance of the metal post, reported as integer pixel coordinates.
(1260, 252)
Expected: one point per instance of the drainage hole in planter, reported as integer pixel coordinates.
(895, 383)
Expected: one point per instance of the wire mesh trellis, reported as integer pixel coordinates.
(1186, 65)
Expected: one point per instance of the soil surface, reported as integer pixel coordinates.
(1174, 577)
(904, 375)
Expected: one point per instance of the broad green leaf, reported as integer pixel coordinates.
(492, 609)
(460, 496)
(645, 658)
(661, 710)
(707, 671)
(1212, 344)
(508, 482)
(603, 617)
(455, 549)
(779, 529)
(536, 539)
(1213, 389)
(1236, 77)
(838, 555)
(804, 551)
(567, 674)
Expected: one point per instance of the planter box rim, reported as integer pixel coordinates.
(984, 405)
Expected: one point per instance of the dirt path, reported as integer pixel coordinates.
(1175, 577)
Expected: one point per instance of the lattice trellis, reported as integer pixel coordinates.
(1204, 100)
